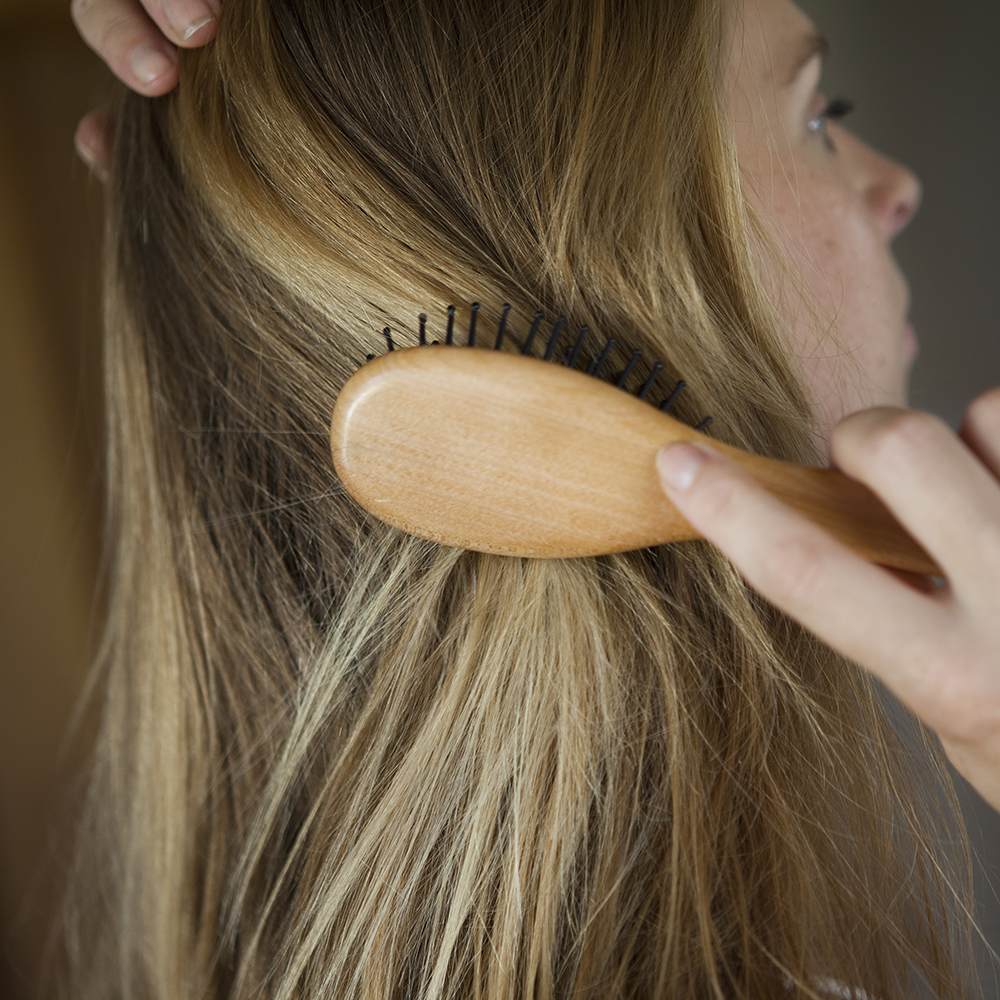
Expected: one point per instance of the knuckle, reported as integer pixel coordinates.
(719, 495)
(872, 436)
(906, 433)
(108, 29)
(985, 538)
(793, 568)
(79, 10)
(955, 686)
(984, 411)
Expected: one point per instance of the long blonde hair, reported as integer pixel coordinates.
(336, 761)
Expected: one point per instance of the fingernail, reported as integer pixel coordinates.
(187, 17)
(196, 27)
(678, 465)
(149, 63)
(89, 155)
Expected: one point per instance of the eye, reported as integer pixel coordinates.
(835, 110)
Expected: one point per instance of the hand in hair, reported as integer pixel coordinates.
(937, 648)
(138, 42)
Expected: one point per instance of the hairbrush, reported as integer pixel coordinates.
(513, 454)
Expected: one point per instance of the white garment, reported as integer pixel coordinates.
(838, 991)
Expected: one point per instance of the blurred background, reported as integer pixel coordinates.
(924, 77)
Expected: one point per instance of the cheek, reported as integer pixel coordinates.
(828, 244)
(841, 296)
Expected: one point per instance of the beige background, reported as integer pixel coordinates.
(924, 75)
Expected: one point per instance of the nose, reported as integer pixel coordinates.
(892, 192)
(894, 196)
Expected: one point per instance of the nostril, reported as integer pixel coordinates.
(908, 194)
(894, 194)
(901, 217)
(896, 204)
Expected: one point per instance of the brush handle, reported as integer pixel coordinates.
(501, 453)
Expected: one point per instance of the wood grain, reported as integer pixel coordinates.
(501, 453)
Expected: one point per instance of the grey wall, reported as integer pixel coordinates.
(925, 76)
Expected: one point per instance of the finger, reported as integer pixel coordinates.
(933, 484)
(188, 23)
(925, 584)
(857, 608)
(93, 143)
(981, 430)
(134, 48)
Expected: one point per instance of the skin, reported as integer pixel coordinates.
(139, 42)
(832, 207)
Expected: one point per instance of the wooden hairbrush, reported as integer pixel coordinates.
(505, 453)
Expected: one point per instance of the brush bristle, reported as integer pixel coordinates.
(570, 358)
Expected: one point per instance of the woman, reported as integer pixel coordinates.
(714, 875)
(851, 617)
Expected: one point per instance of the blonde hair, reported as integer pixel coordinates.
(338, 761)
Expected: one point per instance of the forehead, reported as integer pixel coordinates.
(769, 41)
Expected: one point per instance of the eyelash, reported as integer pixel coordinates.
(837, 109)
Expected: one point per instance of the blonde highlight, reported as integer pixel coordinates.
(339, 761)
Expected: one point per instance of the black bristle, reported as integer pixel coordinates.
(539, 316)
(574, 354)
(503, 327)
(644, 391)
(602, 360)
(570, 359)
(472, 324)
(629, 368)
(672, 398)
(551, 345)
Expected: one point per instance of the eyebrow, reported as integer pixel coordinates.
(813, 44)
